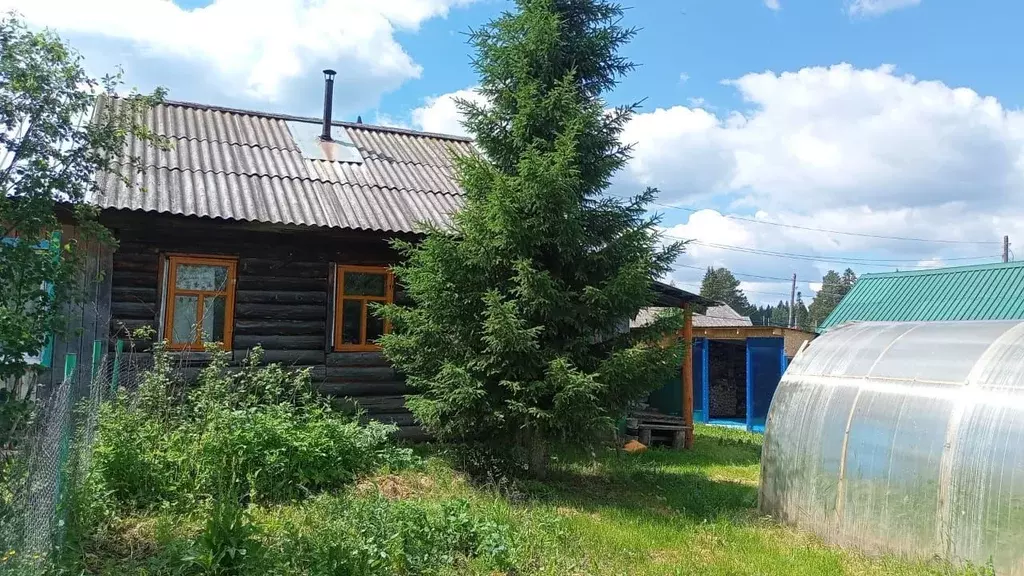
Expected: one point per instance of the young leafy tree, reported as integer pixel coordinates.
(720, 285)
(49, 152)
(516, 330)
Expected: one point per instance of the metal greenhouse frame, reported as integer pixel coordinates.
(904, 437)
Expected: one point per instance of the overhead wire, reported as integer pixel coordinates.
(744, 274)
(831, 231)
(832, 259)
(883, 262)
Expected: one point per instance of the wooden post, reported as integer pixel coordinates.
(115, 372)
(688, 375)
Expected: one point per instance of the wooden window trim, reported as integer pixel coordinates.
(173, 260)
(339, 306)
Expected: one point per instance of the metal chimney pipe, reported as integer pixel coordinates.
(328, 102)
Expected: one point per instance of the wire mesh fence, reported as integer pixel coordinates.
(49, 433)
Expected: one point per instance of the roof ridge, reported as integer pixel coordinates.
(942, 270)
(311, 119)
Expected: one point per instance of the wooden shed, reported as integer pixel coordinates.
(737, 369)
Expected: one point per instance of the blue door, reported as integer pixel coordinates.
(700, 380)
(766, 362)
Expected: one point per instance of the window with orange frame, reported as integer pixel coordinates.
(356, 328)
(199, 301)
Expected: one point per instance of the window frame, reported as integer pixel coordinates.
(171, 261)
(339, 306)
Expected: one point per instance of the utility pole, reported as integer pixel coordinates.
(792, 301)
(1006, 248)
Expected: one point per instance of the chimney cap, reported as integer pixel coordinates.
(329, 74)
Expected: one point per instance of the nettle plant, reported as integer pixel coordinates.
(52, 144)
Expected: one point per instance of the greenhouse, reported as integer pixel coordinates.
(906, 438)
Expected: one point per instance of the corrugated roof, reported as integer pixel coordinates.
(246, 165)
(719, 316)
(982, 292)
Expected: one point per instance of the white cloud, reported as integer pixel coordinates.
(836, 137)
(878, 7)
(773, 5)
(388, 120)
(931, 263)
(258, 45)
(684, 78)
(440, 114)
(868, 151)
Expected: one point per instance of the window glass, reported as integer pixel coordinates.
(183, 324)
(202, 277)
(213, 318)
(365, 284)
(374, 327)
(351, 320)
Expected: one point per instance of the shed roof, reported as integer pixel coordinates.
(721, 315)
(256, 166)
(980, 292)
(716, 315)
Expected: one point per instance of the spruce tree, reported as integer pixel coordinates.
(720, 285)
(515, 329)
(780, 314)
(833, 289)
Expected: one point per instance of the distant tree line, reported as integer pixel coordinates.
(721, 285)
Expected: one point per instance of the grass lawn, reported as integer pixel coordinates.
(659, 512)
(653, 513)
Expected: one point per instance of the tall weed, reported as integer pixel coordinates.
(374, 535)
(167, 443)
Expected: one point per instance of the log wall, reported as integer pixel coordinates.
(283, 300)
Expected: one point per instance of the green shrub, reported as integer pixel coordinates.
(377, 536)
(168, 443)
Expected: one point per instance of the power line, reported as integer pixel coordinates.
(786, 294)
(745, 291)
(744, 274)
(893, 262)
(830, 231)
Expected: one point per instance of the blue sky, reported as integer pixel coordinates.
(960, 43)
(764, 120)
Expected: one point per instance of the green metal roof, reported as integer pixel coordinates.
(983, 292)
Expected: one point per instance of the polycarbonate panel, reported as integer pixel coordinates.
(1004, 367)
(924, 352)
(905, 438)
(806, 492)
(987, 485)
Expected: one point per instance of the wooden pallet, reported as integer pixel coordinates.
(647, 422)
